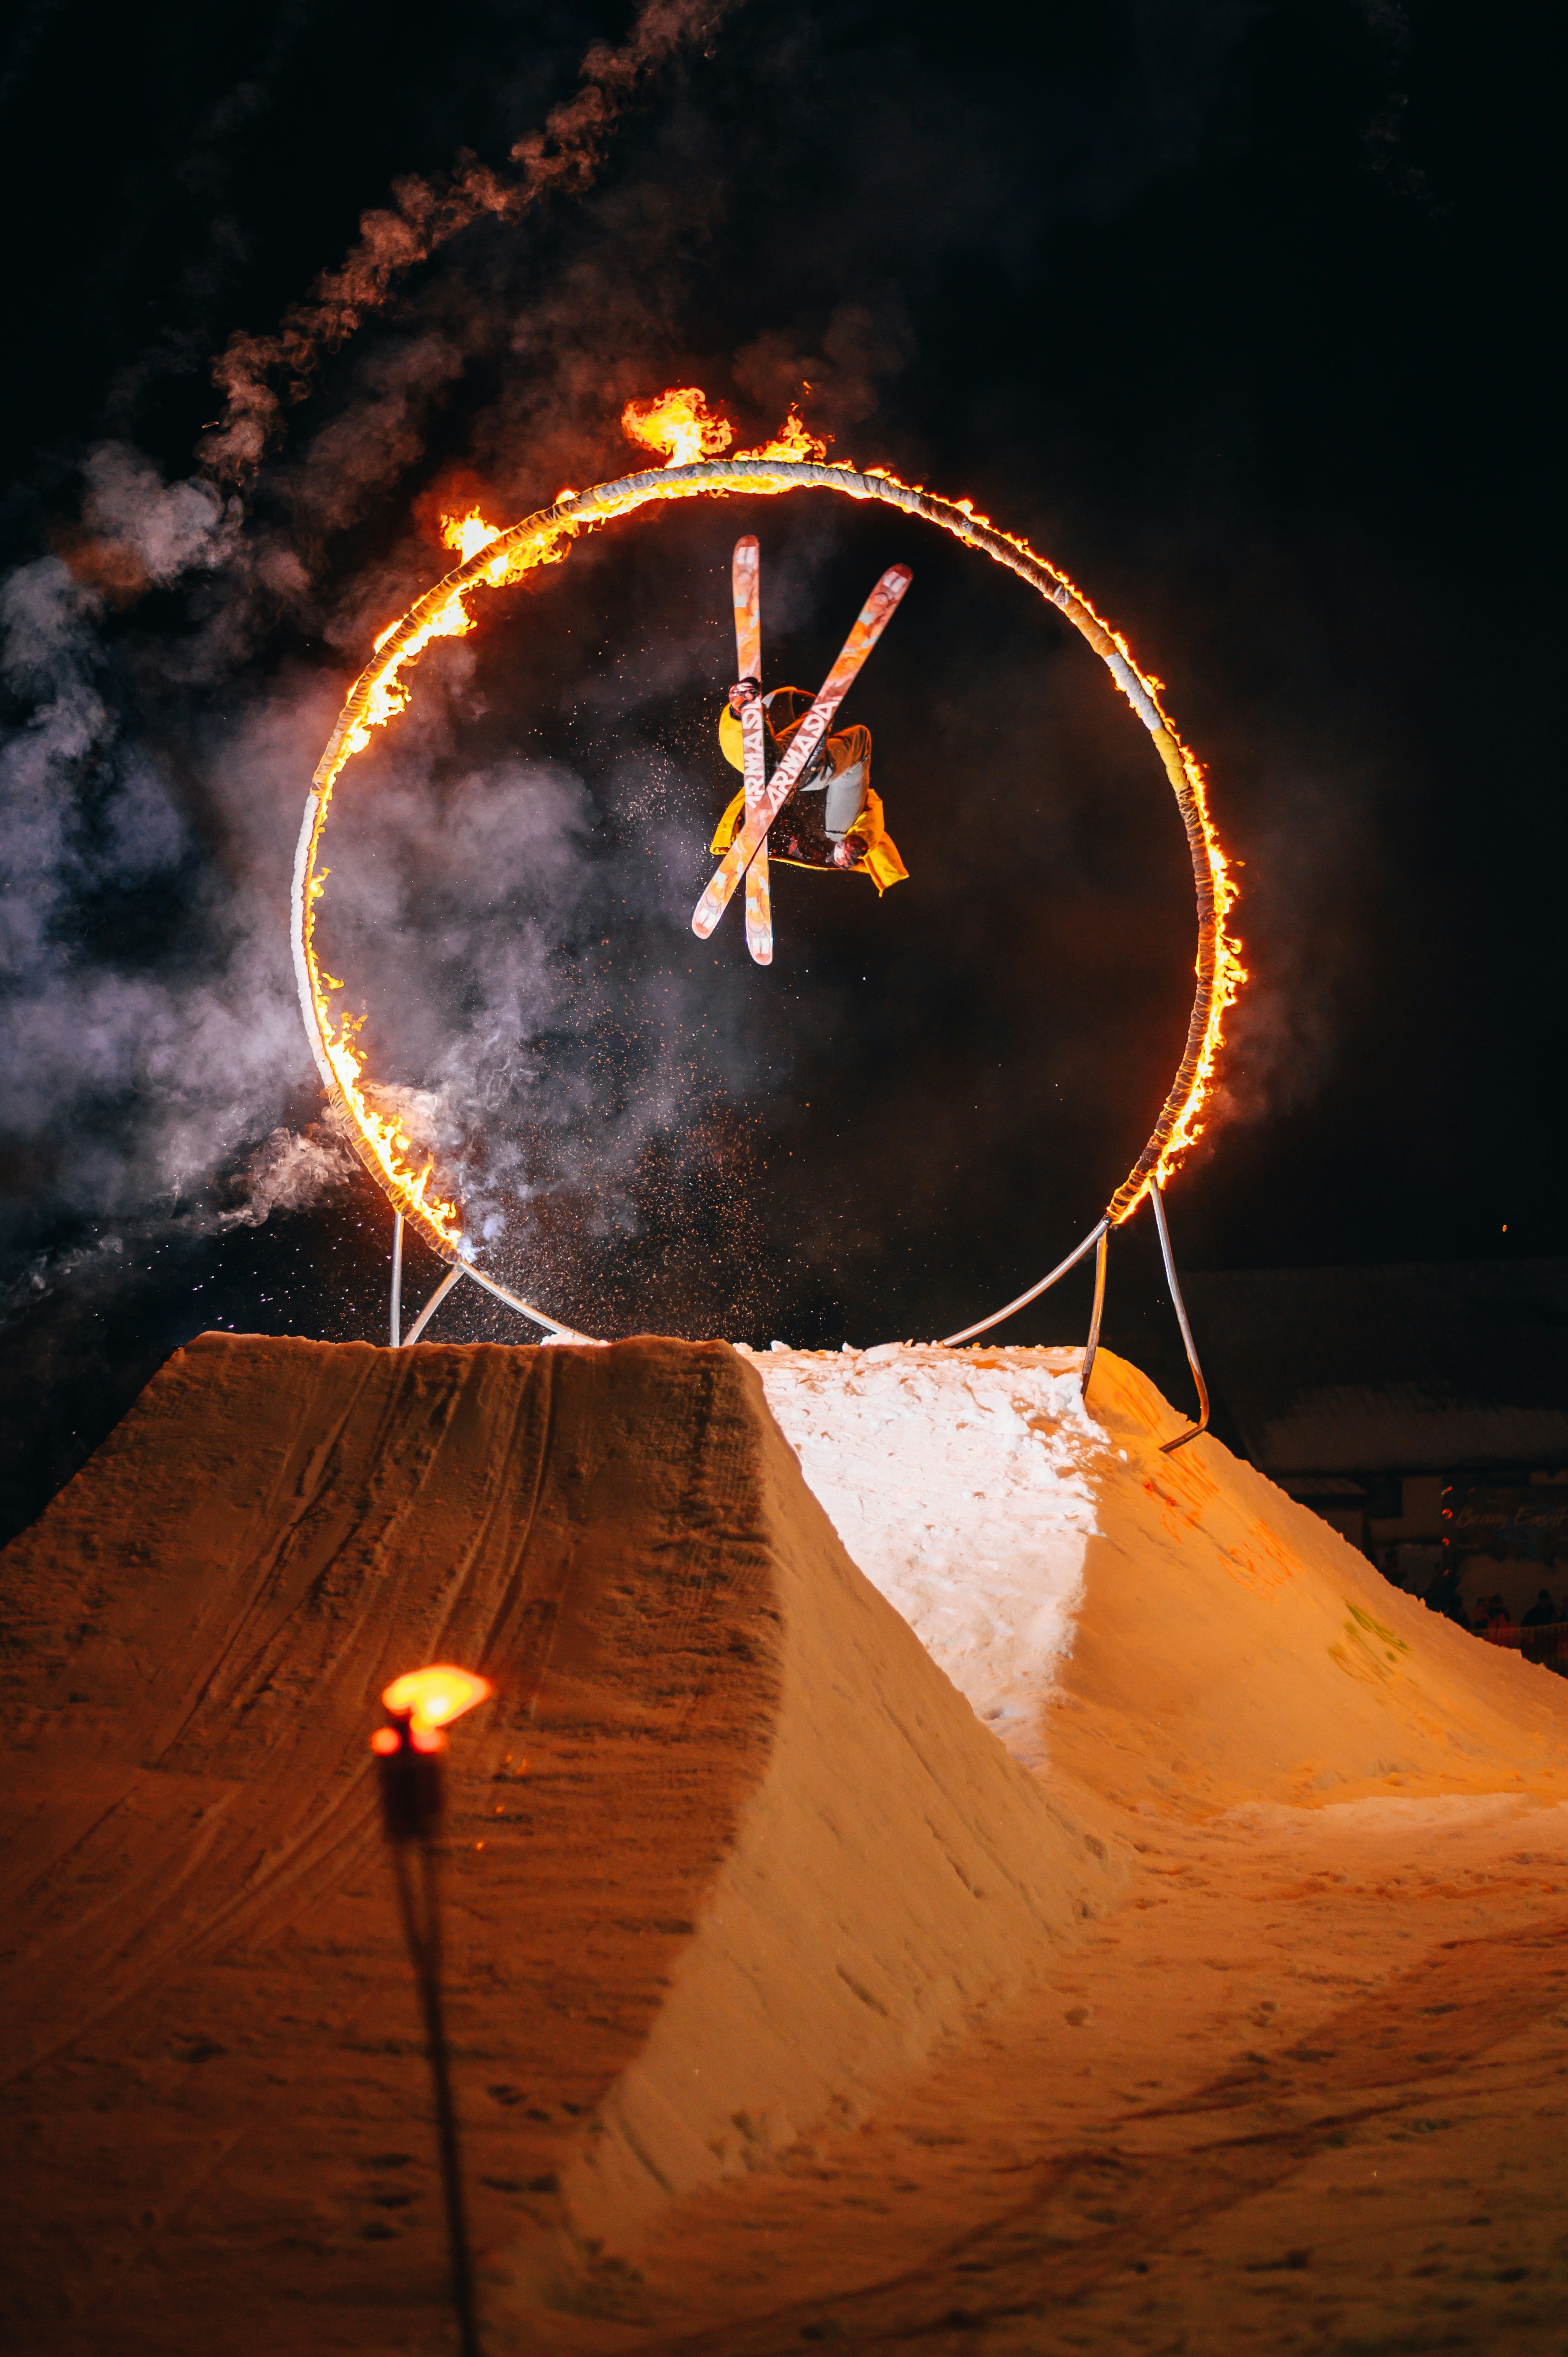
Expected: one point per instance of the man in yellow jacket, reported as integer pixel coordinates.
(832, 819)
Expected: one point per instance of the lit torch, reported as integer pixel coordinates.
(420, 1708)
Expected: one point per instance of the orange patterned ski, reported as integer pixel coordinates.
(871, 620)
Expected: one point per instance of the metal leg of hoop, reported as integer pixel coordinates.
(434, 1304)
(984, 1325)
(1102, 1253)
(558, 1332)
(397, 1282)
(1156, 1195)
(525, 1308)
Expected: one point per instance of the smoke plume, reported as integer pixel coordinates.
(149, 1035)
(424, 216)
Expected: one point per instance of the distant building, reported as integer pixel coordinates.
(1422, 1411)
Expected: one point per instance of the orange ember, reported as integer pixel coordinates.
(437, 1695)
(680, 423)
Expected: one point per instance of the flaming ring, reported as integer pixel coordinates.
(378, 695)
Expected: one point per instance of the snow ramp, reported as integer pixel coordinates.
(1170, 1631)
(729, 1852)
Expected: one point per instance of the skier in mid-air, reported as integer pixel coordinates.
(833, 818)
(812, 792)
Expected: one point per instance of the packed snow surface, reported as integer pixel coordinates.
(960, 1484)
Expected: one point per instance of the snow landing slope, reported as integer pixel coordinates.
(1170, 1631)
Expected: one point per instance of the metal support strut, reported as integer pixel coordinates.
(434, 1304)
(1102, 1253)
(1156, 1196)
(1061, 1268)
(557, 1333)
(397, 1282)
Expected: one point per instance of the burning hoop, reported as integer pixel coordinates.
(493, 558)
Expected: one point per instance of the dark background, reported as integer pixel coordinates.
(1238, 312)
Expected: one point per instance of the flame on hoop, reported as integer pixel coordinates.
(680, 423)
(380, 694)
(793, 440)
(468, 534)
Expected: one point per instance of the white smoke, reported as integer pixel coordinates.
(130, 1066)
(289, 1170)
(149, 791)
(163, 529)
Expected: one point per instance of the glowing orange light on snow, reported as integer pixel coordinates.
(680, 425)
(435, 1696)
(388, 1741)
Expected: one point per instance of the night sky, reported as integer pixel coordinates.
(1238, 312)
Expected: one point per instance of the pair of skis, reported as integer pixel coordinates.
(765, 796)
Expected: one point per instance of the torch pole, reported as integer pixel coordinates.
(411, 1808)
(397, 1282)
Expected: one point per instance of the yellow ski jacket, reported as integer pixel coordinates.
(880, 858)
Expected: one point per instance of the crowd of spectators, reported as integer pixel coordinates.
(1492, 1619)
(1541, 1631)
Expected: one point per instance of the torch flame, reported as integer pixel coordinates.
(680, 423)
(437, 1695)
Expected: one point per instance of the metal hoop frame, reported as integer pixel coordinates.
(544, 537)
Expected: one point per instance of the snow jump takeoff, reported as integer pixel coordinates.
(811, 790)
